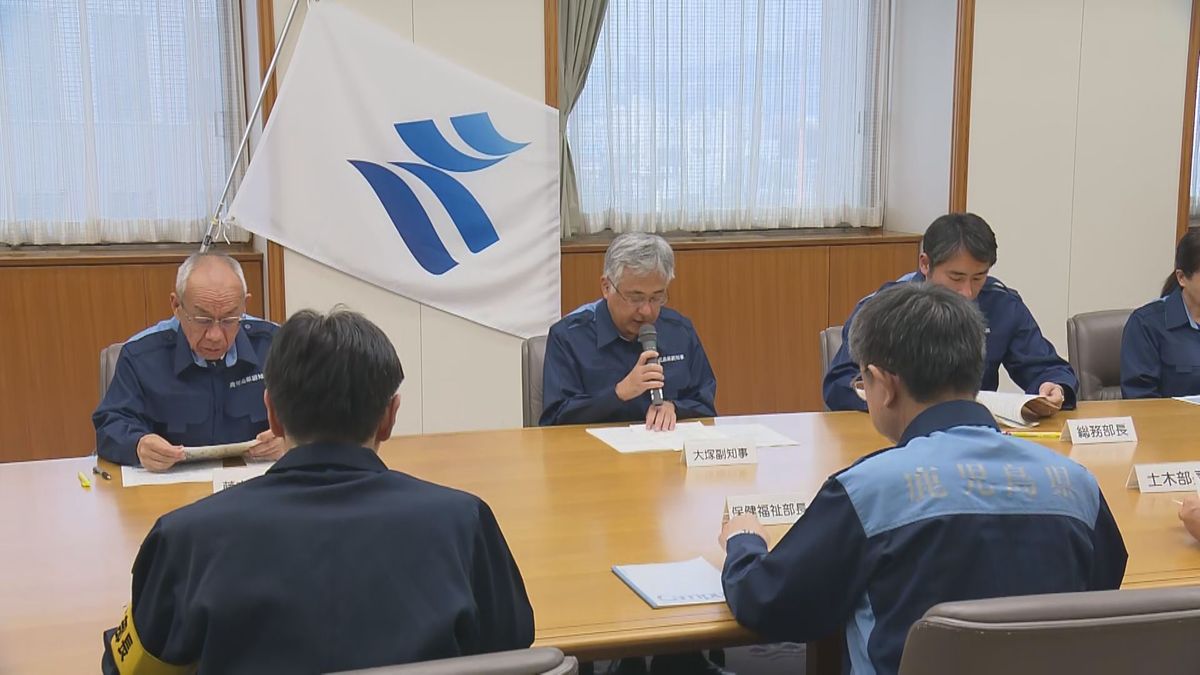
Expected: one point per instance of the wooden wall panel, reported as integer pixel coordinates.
(856, 271)
(48, 383)
(57, 319)
(580, 279)
(758, 313)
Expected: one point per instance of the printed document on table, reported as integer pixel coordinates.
(192, 472)
(636, 438)
(690, 582)
(1194, 400)
(761, 435)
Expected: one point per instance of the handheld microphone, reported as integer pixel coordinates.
(648, 336)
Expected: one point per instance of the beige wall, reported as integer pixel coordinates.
(1076, 118)
(458, 375)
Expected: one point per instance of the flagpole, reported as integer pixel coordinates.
(214, 224)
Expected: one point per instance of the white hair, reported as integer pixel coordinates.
(639, 253)
(185, 270)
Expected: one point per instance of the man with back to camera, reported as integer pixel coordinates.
(956, 510)
(595, 368)
(329, 561)
(957, 252)
(194, 379)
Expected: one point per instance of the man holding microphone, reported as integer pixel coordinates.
(627, 357)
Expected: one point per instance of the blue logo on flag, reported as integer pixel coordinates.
(401, 203)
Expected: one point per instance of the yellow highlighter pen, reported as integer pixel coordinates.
(83, 481)
(1034, 434)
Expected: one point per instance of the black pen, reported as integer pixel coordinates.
(101, 472)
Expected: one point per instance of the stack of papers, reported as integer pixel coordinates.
(1012, 410)
(691, 582)
(636, 438)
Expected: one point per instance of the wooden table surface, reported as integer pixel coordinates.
(569, 506)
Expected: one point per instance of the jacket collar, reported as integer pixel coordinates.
(947, 415)
(240, 350)
(344, 455)
(1175, 312)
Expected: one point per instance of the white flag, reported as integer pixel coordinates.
(411, 173)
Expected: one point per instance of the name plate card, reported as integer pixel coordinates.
(1165, 477)
(1100, 430)
(719, 452)
(227, 477)
(777, 509)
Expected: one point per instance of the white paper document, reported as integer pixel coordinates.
(192, 472)
(636, 438)
(1194, 400)
(690, 582)
(1010, 409)
(228, 476)
(760, 435)
(201, 452)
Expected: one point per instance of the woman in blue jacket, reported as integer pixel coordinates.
(1160, 350)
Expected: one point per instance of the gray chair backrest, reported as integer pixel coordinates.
(533, 356)
(538, 661)
(1135, 631)
(1094, 350)
(831, 342)
(108, 366)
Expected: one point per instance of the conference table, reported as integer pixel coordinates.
(570, 506)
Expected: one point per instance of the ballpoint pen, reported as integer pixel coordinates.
(102, 473)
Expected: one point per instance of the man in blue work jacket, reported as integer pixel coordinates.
(957, 252)
(955, 511)
(595, 369)
(329, 561)
(194, 379)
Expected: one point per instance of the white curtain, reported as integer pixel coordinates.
(731, 115)
(119, 119)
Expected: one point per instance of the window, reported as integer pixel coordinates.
(119, 119)
(719, 115)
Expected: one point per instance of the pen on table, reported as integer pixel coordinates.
(83, 481)
(1034, 434)
(102, 473)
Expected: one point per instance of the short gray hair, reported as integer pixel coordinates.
(640, 253)
(185, 270)
(928, 336)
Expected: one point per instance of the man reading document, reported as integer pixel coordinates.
(195, 379)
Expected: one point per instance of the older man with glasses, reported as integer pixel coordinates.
(194, 379)
(597, 371)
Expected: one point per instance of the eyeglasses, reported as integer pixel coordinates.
(859, 387)
(206, 322)
(639, 299)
